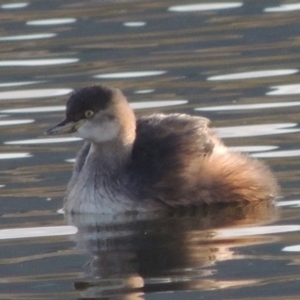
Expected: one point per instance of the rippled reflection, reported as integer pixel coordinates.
(254, 74)
(287, 89)
(49, 22)
(144, 91)
(71, 160)
(14, 5)
(292, 203)
(30, 232)
(39, 109)
(283, 8)
(43, 141)
(20, 83)
(295, 248)
(134, 24)
(204, 6)
(249, 106)
(129, 74)
(276, 154)
(167, 49)
(252, 148)
(37, 93)
(152, 104)
(15, 122)
(165, 251)
(256, 130)
(230, 233)
(37, 62)
(27, 37)
(14, 155)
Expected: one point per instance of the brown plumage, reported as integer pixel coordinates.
(154, 162)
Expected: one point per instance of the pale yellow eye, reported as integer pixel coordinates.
(89, 113)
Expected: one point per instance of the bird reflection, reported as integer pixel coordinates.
(134, 254)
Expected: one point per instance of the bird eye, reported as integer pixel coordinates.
(89, 113)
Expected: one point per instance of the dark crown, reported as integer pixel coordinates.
(93, 98)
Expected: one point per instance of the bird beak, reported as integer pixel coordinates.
(65, 127)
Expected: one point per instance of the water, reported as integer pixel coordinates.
(236, 63)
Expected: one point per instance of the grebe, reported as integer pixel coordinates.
(153, 162)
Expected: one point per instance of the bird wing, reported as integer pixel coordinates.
(79, 163)
(165, 147)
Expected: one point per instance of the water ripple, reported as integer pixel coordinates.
(286, 89)
(36, 93)
(14, 5)
(134, 24)
(249, 106)
(18, 83)
(252, 148)
(14, 155)
(144, 91)
(283, 8)
(25, 37)
(30, 232)
(129, 74)
(295, 248)
(15, 122)
(37, 62)
(39, 109)
(152, 104)
(50, 22)
(253, 74)
(259, 230)
(43, 141)
(290, 203)
(276, 154)
(204, 6)
(256, 130)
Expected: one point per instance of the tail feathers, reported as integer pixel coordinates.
(235, 177)
(219, 177)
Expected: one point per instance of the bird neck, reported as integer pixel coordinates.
(113, 155)
(116, 152)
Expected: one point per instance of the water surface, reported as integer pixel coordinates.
(236, 63)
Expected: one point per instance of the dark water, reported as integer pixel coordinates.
(237, 64)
